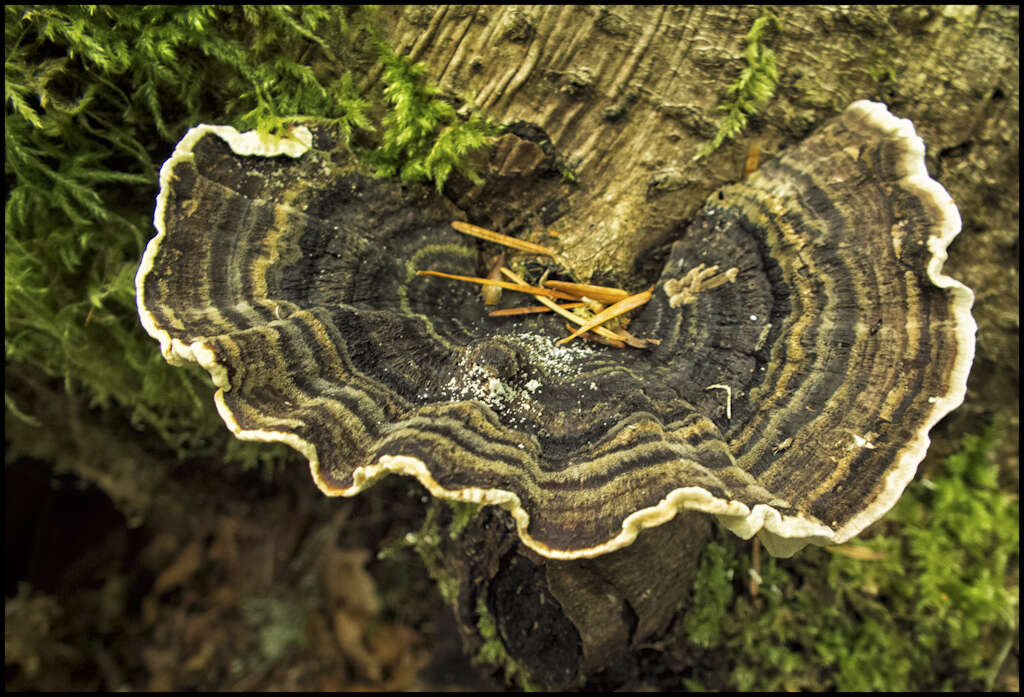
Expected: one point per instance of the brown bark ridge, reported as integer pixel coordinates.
(592, 623)
(606, 108)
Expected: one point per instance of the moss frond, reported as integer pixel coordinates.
(754, 87)
(423, 138)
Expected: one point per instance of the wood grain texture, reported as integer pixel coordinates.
(293, 280)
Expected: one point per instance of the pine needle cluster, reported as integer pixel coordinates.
(96, 96)
(754, 87)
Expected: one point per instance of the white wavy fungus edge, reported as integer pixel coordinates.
(782, 535)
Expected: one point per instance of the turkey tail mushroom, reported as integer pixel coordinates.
(291, 276)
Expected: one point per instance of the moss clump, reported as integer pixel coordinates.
(754, 87)
(95, 99)
(492, 651)
(929, 601)
(423, 138)
(712, 595)
(281, 625)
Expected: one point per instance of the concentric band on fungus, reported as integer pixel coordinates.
(291, 277)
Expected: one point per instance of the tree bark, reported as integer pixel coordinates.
(606, 108)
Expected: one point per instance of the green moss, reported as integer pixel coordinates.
(492, 651)
(712, 596)
(281, 625)
(754, 87)
(462, 514)
(96, 96)
(882, 68)
(426, 543)
(423, 138)
(934, 607)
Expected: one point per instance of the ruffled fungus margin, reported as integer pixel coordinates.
(866, 138)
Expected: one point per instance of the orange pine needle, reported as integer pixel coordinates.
(492, 294)
(590, 336)
(621, 307)
(499, 238)
(753, 155)
(520, 287)
(858, 552)
(636, 342)
(531, 309)
(606, 333)
(601, 294)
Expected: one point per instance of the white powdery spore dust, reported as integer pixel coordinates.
(551, 359)
(518, 394)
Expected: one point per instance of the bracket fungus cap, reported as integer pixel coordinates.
(791, 398)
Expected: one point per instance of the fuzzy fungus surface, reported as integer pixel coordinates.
(793, 400)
